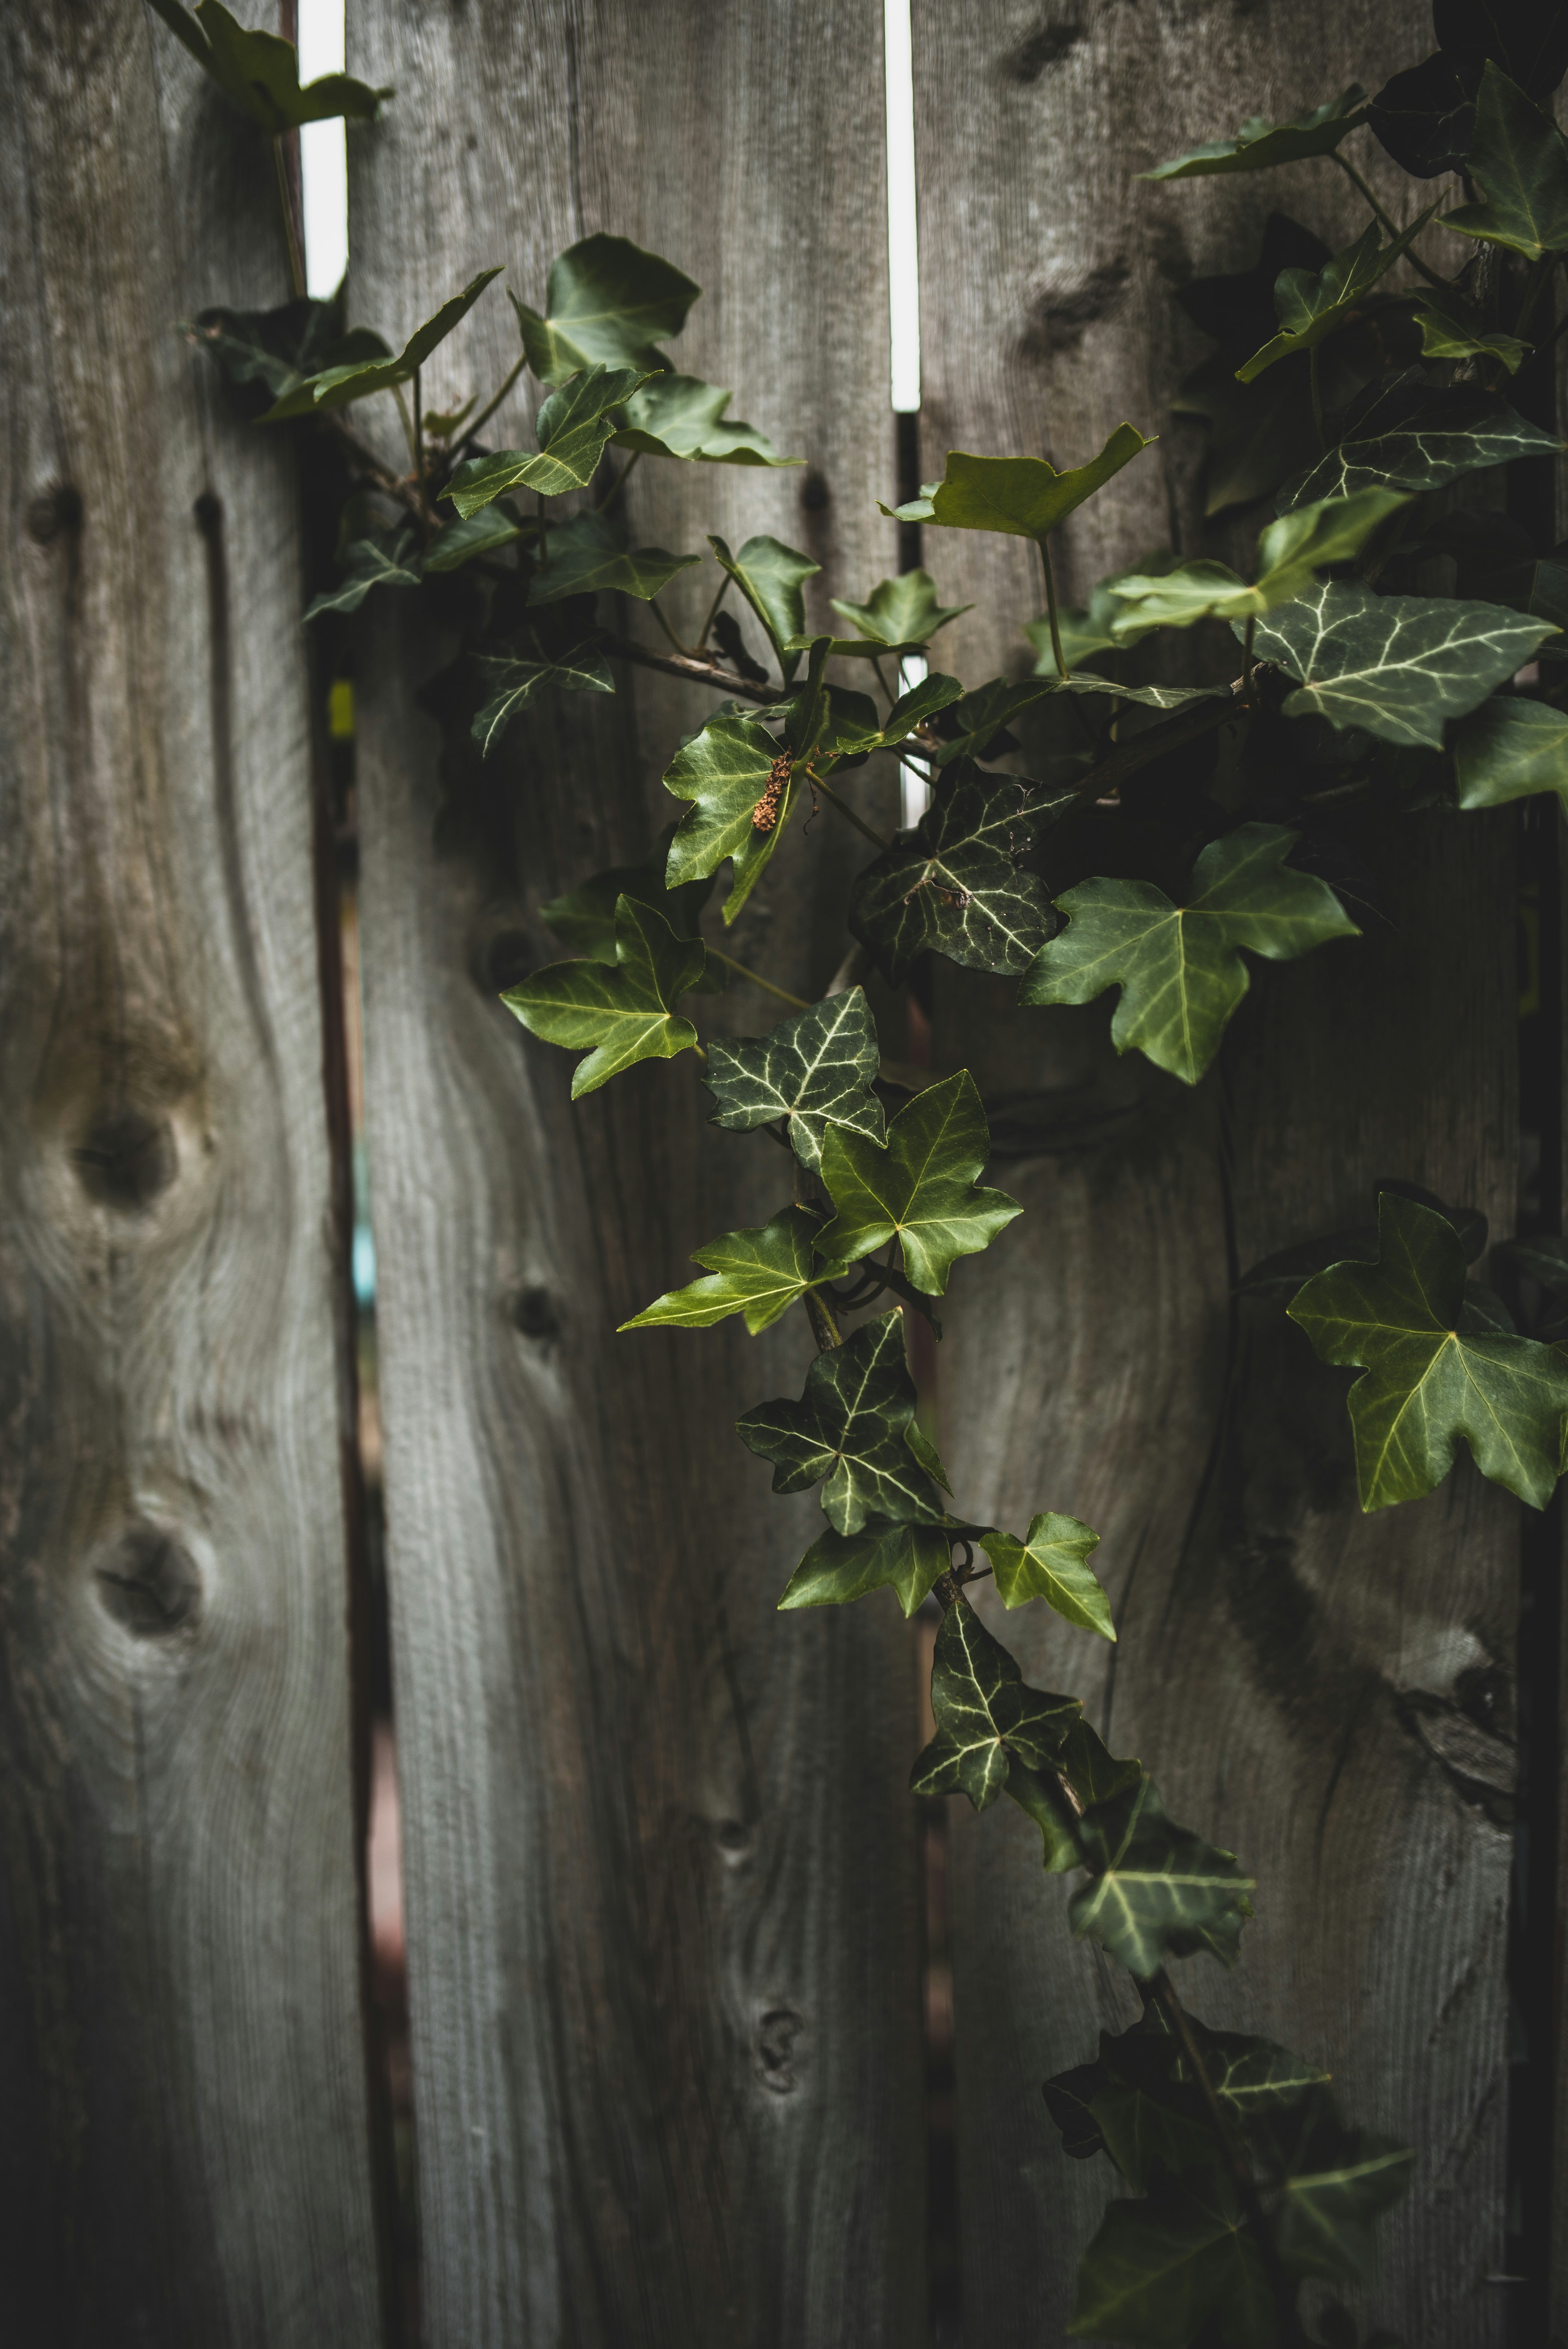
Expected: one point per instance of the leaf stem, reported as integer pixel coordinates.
(824, 1329)
(418, 437)
(291, 225)
(1413, 257)
(483, 417)
(408, 427)
(757, 980)
(654, 608)
(1051, 613)
(1315, 382)
(833, 800)
(618, 484)
(713, 614)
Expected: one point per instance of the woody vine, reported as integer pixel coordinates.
(1352, 401)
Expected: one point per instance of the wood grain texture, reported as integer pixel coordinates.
(1329, 1695)
(183, 2159)
(660, 1857)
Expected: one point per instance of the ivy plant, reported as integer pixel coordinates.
(1348, 394)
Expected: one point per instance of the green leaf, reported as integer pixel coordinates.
(982, 716)
(574, 428)
(1093, 1771)
(985, 1717)
(851, 1427)
(1177, 2267)
(953, 885)
(1396, 666)
(902, 614)
(1023, 497)
(681, 416)
(585, 556)
(1156, 1891)
(758, 1273)
(260, 73)
(620, 1015)
(1260, 144)
(606, 300)
(772, 576)
(514, 684)
(336, 387)
(813, 1070)
(1291, 552)
(461, 541)
(1417, 436)
(1451, 330)
(921, 1186)
(1180, 968)
(371, 565)
(261, 354)
(1434, 1367)
(1508, 750)
(1051, 1563)
(725, 772)
(1519, 161)
(1332, 2182)
(921, 702)
(584, 918)
(1311, 303)
(837, 1568)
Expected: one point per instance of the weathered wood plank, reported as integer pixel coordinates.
(662, 1986)
(184, 2155)
(1328, 1694)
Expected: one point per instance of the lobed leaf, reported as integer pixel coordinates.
(758, 1273)
(1021, 497)
(1396, 666)
(1156, 1891)
(371, 564)
(1259, 145)
(259, 72)
(336, 387)
(1509, 750)
(1291, 552)
(584, 918)
(985, 1717)
(903, 614)
(574, 428)
(1311, 303)
(1413, 436)
(1518, 159)
(848, 1433)
(724, 773)
(920, 1186)
(1451, 330)
(1425, 117)
(617, 1015)
(460, 540)
(585, 556)
(952, 885)
(515, 683)
(1331, 2183)
(906, 1559)
(813, 1070)
(771, 576)
(606, 301)
(1051, 1563)
(681, 416)
(1159, 2272)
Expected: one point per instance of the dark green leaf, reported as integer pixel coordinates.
(725, 773)
(1518, 159)
(1434, 1367)
(1279, 1275)
(982, 717)
(1022, 497)
(371, 565)
(1291, 552)
(461, 541)
(1451, 330)
(1528, 40)
(262, 354)
(985, 1717)
(584, 918)
(1051, 1563)
(1180, 968)
(1413, 435)
(1260, 144)
(585, 556)
(1093, 1771)
(902, 614)
(1509, 750)
(772, 576)
(621, 1014)
(260, 73)
(953, 885)
(573, 427)
(837, 1567)
(851, 1427)
(336, 387)
(921, 1186)
(606, 300)
(514, 683)
(1396, 666)
(813, 1070)
(1156, 1891)
(681, 416)
(1425, 117)
(922, 702)
(1311, 303)
(1258, 432)
(758, 1273)
(1332, 2182)
(1176, 2268)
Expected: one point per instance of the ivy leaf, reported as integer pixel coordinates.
(758, 1273)
(370, 565)
(953, 885)
(724, 773)
(261, 354)
(1451, 330)
(584, 918)
(1396, 666)
(1279, 1275)
(1179, 967)
(583, 556)
(605, 300)
(1051, 1563)
(336, 387)
(772, 576)
(514, 684)
(1425, 117)
(837, 1568)
(1508, 750)
(985, 1717)
(681, 416)
(260, 73)
(1435, 1367)
(1414, 436)
(1518, 159)
(1332, 2182)
(920, 703)
(1291, 552)
(1177, 2267)
(461, 541)
(622, 1014)
(921, 1186)
(574, 428)
(813, 1070)
(1260, 144)
(1021, 497)
(851, 1427)
(1313, 304)
(902, 614)
(980, 719)
(1156, 1891)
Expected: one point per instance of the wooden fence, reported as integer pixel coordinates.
(664, 1879)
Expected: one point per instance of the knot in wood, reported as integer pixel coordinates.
(765, 814)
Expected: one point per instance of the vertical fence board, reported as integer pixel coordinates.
(181, 2063)
(660, 1859)
(1330, 1695)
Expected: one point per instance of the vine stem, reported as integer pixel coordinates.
(695, 670)
(291, 225)
(418, 437)
(757, 980)
(1316, 397)
(618, 484)
(483, 417)
(833, 800)
(1414, 258)
(1051, 613)
(722, 591)
(824, 1329)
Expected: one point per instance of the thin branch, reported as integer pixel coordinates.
(696, 671)
(291, 223)
(1412, 256)
(483, 417)
(654, 608)
(833, 800)
(723, 590)
(618, 484)
(795, 1001)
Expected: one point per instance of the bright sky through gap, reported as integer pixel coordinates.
(903, 249)
(323, 155)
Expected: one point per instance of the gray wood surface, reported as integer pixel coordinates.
(660, 1859)
(183, 2156)
(1328, 1694)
